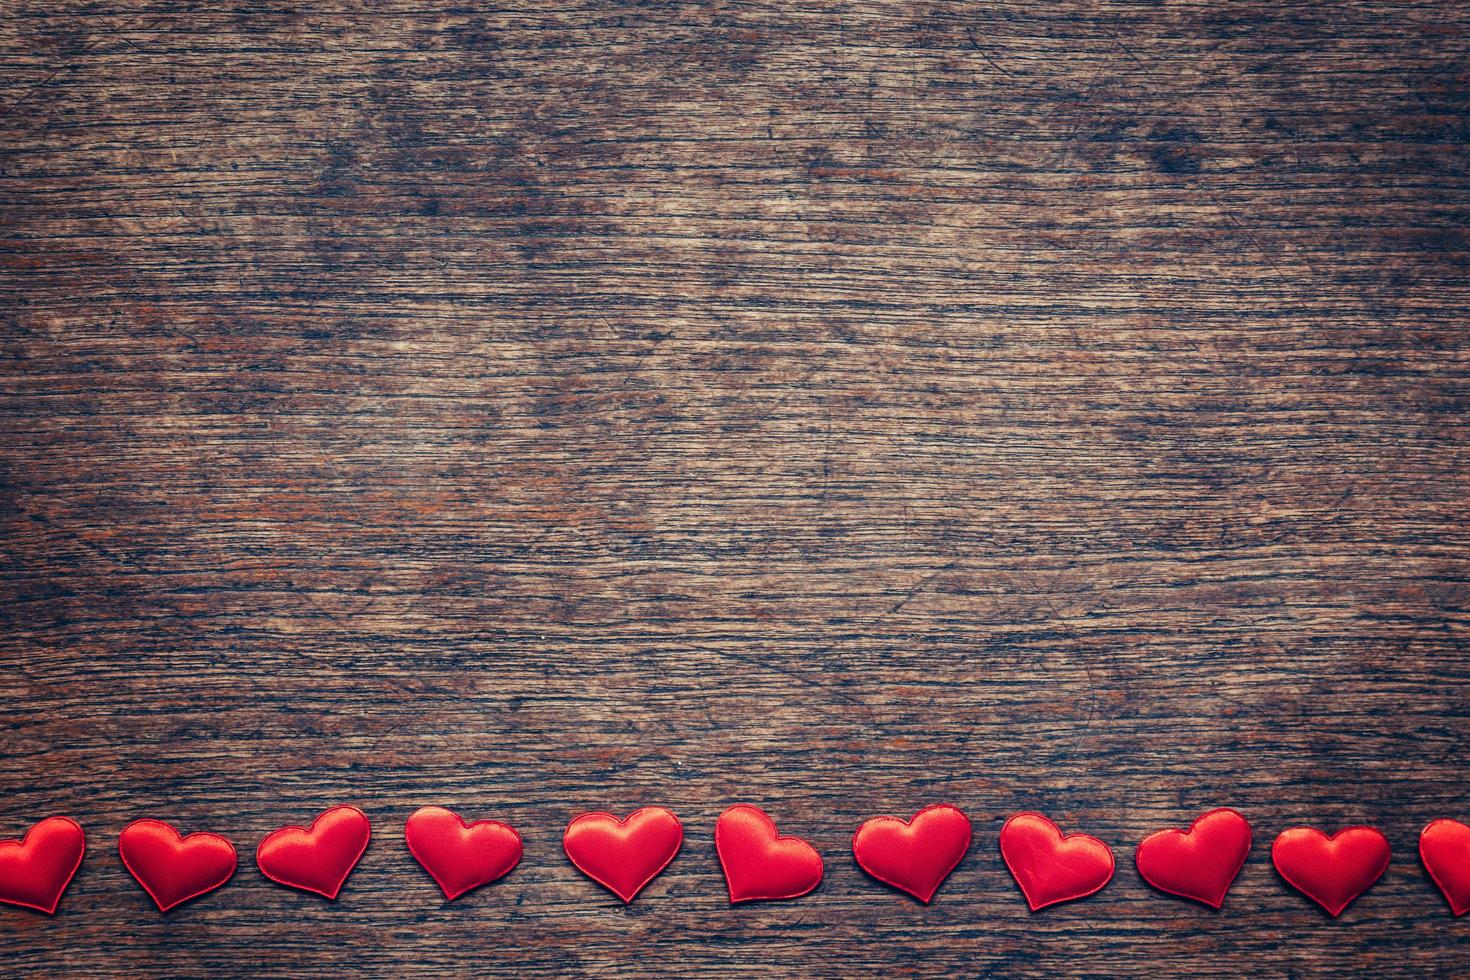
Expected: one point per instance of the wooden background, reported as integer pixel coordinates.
(838, 406)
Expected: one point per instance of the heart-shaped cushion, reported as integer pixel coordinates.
(1050, 867)
(461, 856)
(316, 859)
(1199, 863)
(173, 869)
(914, 855)
(1444, 847)
(1331, 871)
(759, 863)
(624, 855)
(36, 870)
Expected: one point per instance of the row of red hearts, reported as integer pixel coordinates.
(624, 855)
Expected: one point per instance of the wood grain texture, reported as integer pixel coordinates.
(839, 406)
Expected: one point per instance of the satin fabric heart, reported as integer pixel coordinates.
(1050, 867)
(759, 864)
(1444, 847)
(35, 871)
(1331, 871)
(461, 856)
(1199, 863)
(316, 859)
(173, 869)
(914, 855)
(623, 856)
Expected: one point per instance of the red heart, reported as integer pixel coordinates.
(461, 856)
(36, 870)
(1331, 871)
(623, 855)
(914, 855)
(1050, 867)
(1444, 847)
(319, 859)
(1199, 863)
(174, 869)
(759, 864)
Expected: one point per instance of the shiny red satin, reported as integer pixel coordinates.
(1049, 867)
(319, 858)
(624, 855)
(914, 855)
(35, 871)
(1331, 871)
(1199, 863)
(760, 864)
(173, 869)
(1444, 847)
(461, 856)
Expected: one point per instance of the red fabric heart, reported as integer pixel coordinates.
(623, 855)
(36, 870)
(174, 869)
(758, 863)
(1199, 863)
(1331, 871)
(914, 855)
(1050, 867)
(461, 856)
(318, 859)
(1444, 847)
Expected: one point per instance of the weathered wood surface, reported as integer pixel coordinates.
(835, 406)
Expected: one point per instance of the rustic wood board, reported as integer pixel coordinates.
(839, 406)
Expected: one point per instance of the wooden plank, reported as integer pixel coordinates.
(840, 407)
